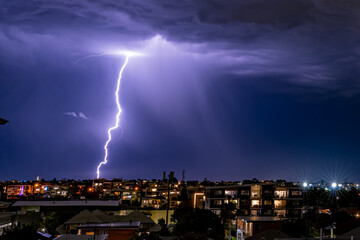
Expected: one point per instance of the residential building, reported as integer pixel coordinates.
(257, 199)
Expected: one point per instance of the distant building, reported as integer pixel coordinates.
(257, 199)
(18, 191)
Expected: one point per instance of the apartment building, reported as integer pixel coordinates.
(17, 191)
(282, 200)
(156, 195)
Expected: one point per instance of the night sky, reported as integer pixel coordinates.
(226, 90)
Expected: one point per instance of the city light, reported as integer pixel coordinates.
(334, 185)
(305, 184)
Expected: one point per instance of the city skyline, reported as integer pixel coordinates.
(226, 91)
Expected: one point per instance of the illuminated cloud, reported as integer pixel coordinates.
(76, 115)
(238, 37)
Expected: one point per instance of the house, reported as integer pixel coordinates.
(131, 223)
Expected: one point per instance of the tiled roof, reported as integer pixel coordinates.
(98, 216)
(83, 217)
(136, 215)
(355, 233)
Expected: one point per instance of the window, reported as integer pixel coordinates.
(245, 192)
(280, 213)
(267, 202)
(294, 212)
(255, 194)
(281, 194)
(232, 193)
(296, 193)
(217, 203)
(244, 212)
(267, 212)
(218, 192)
(254, 212)
(126, 197)
(244, 202)
(294, 203)
(279, 203)
(255, 203)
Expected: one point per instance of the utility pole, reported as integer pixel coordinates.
(171, 177)
(168, 204)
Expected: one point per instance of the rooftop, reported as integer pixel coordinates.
(261, 218)
(81, 237)
(73, 203)
(135, 224)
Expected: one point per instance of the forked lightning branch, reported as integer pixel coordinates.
(117, 120)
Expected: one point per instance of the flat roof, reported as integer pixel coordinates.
(134, 224)
(81, 237)
(254, 184)
(66, 203)
(261, 218)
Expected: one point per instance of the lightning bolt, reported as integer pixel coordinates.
(93, 55)
(117, 116)
(127, 54)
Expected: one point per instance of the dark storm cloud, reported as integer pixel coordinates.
(202, 94)
(305, 40)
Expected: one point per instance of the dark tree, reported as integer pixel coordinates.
(21, 233)
(197, 222)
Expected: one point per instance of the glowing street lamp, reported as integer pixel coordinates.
(334, 185)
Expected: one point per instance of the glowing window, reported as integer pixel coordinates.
(255, 203)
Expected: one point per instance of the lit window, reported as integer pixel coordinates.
(267, 202)
(231, 193)
(281, 194)
(279, 203)
(296, 193)
(255, 203)
(255, 194)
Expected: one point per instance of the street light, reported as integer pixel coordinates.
(334, 185)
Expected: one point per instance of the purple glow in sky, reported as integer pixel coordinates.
(224, 90)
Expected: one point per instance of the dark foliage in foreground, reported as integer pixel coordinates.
(21, 233)
(199, 223)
